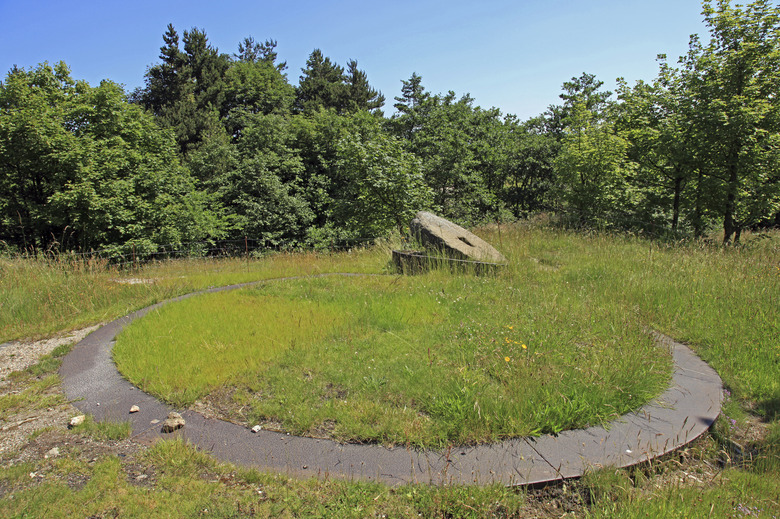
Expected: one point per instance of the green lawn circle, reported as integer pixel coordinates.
(427, 360)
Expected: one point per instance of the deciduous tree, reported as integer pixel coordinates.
(83, 163)
(734, 81)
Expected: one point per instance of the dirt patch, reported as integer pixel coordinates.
(135, 281)
(25, 418)
(19, 355)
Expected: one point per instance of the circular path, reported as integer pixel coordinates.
(680, 415)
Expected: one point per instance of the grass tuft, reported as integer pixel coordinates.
(104, 430)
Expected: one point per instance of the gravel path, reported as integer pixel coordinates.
(16, 429)
(18, 355)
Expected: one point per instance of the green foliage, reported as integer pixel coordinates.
(734, 82)
(325, 85)
(250, 51)
(382, 183)
(82, 168)
(359, 94)
(306, 165)
(321, 85)
(39, 153)
(699, 144)
(350, 169)
(254, 87)
(464, 150)
(592, 168)
(530, 171)
(655, 121)
(187, 90)
(265, 193)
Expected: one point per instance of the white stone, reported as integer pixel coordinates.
(173, 422)
(77, 420)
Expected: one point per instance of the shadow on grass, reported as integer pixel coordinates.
(769, 409)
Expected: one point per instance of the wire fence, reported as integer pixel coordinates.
(132, 255)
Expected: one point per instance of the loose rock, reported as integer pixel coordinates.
(256, 429)
(53, 453)
(134, 409)
(173, 422)
(77, 420)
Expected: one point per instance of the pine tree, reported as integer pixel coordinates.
(360, 95)
(321, 85)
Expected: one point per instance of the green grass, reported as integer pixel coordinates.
(724, 302)
(749, 490)
(204, 342)
(105, 430)
(426, 360)
(39, 297)
(190, 484)
(734, 494)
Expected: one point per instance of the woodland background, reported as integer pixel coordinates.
(220, 146)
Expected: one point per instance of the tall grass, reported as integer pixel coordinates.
(45, 295)
(724, 302)
(189, 483)
(429, 360)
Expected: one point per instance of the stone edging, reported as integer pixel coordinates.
(681, 414)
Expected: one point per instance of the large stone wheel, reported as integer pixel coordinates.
(453, 240)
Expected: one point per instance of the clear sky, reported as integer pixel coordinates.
(513, 55)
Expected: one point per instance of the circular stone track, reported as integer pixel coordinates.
(680, 415)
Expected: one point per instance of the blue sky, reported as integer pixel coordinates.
(513, 55)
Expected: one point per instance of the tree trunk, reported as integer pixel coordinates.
(729, 225)
(697, 215)
(676, 203)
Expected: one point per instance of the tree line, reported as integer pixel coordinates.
(217, 146)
